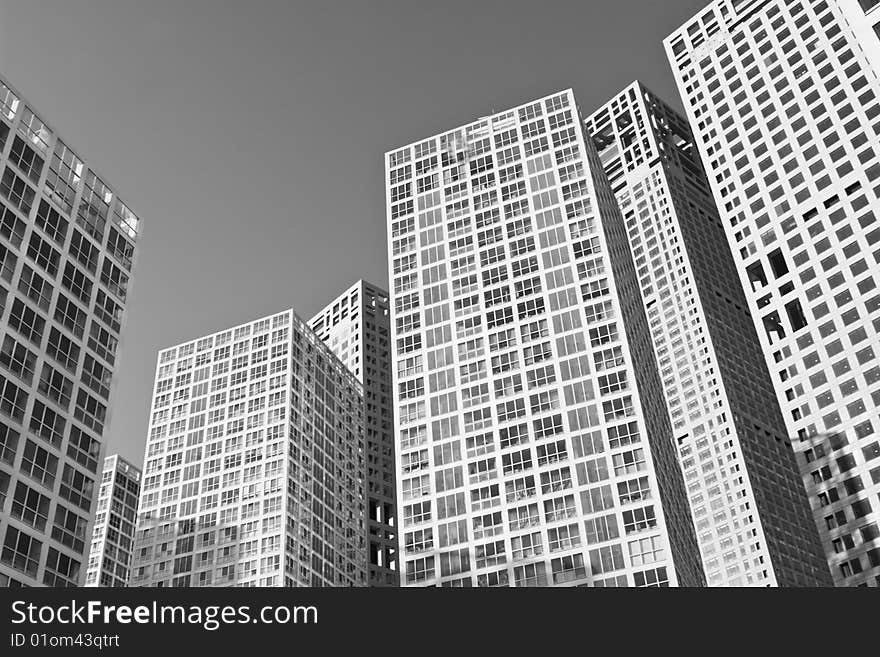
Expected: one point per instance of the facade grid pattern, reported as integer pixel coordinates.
(527, 453)
(253, 471)
(356, 326)
(67, 251)
(784, 100)
(115, 515)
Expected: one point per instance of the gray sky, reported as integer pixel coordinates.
(249, 135)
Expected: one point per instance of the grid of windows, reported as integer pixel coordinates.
(356, 326)
(55, 383)
(785, 102)
(503, 428)
(112, 539)
(253, 467)
(717, 392)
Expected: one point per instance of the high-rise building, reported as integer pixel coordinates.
(67, 247)
(356, 326)
(113, 535)
(531, 448)
(253, 467)
(751, 514)
(784, 100)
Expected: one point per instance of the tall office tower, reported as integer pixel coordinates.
(785, 103)
(113, 535)
(356, 327)
(67, 245)
(532, 450)
(253, 470)
(749, 509)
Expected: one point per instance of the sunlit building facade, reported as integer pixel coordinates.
(532, 443)
(115, 514)
(253, 467)
(67, 249)
(356, 327)
(748, 504)
(784, 101)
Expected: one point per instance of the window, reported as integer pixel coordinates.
(560, 508)
(652, 578)
(61, 570)
(35, 130)
(526, 546)
(65, 174)
(606, 559)
(8, 443)
(628, 462)
(56, 386)
(27, 322)
(70, 316)
(47, 424)
(18, 359)
(41, 252)
(115, 279)
(645, 551)
(8, 260)
(563, 538)
(617, 409)
(11, 227)
(517, 461)
(84, 449)
(547, 426)
(568, 568)
(63, 349)
(70, 529)
(8, 102)
(94, 206)
(551, 453)
(26, 159)
(18, 192)
(21, 551)
(419, 570)
(90, 411)
(638, 520)
(35, 287)
(12, 399)
(103, 343)
(30, 507)
(39, 464)
(84, 251)
(96, 376)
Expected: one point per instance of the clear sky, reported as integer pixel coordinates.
(249, 135)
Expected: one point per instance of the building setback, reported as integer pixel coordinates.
(784, 100)
(67, 248)
(356, 326)
(113, 535)
(748, 504)
(531, 448)
(253, 468)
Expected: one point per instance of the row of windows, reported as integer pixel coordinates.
(564, 569)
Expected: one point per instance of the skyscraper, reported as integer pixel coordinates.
(784, 100)
(531, 450)
(253, 468)
(67, 248)
(748, 504)
(356, 326)
(113, 535)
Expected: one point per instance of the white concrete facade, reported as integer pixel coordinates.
(748, 505)
(115, 516)
(531, 450)
(784, 100)
(253, 467)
